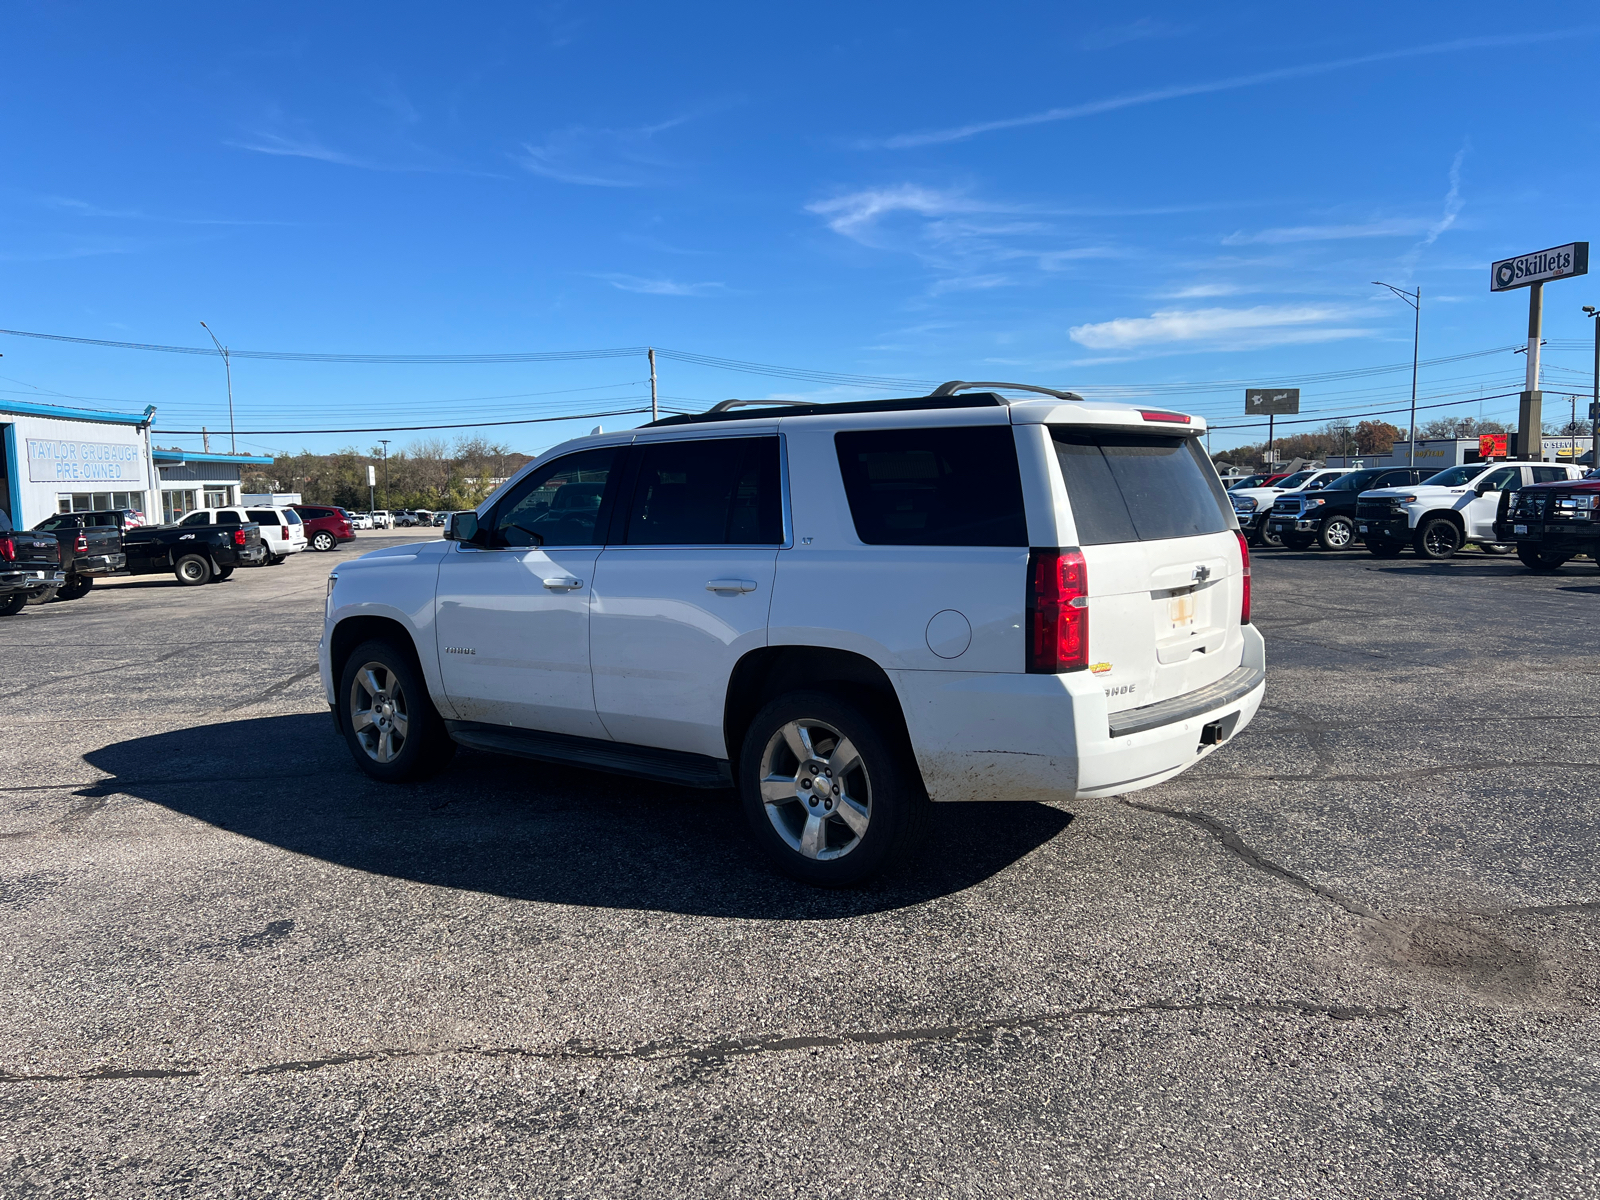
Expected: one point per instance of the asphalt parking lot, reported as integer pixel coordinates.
(1352, 955)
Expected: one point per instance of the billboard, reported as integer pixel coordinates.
(1558, 262)
(1491, 445)
(53, 460)
(1271, 402)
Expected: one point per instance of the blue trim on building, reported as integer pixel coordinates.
(181, 456)
(23, 409)
(13, 483)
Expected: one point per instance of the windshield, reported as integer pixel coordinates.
(1295, 480)
(1356, 481)
(1249, 481)
(1456, 476)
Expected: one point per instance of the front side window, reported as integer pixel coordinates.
(1505, 477)
(1454, 477)
(715, 492)
(559, 504)
(1139, 487)
(953, 486)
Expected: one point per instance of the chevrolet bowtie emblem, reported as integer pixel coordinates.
(1201, 574)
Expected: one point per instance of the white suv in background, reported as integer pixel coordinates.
(843, 610)
(282, 531)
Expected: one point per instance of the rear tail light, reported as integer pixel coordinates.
(1244, 558)
(238, 537)
(1058, 611)
(1171, 418)
(8, 548)
(285, 532)
(82, 543)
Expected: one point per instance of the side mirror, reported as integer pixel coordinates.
(462, 527)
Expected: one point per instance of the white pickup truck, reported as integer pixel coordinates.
(1444, 512)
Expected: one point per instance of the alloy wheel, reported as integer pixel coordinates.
(815, 789)
(1338, 534)
(378, 712)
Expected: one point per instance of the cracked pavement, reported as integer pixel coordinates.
(1354, 953)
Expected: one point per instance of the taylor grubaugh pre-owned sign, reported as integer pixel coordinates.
(1272, 402)
(1559, 262)
(54, 461)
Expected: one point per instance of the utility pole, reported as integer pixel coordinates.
(205, 440)
(385, 442)
(1594, 404)
(1415, 300)
(233, 444)
(654, 412)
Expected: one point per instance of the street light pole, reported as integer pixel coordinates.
(233, 444)
(385, 442)
(1415, 300)
(1594, 405)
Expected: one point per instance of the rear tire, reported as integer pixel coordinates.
(1438, 538)
(832, 794)
(1495, 548)
(394, 732)
(222, 573)
(76, 587)
(1540, 560)
(1337, 533)
(43, 595)
(323, 541)
(192, 570)
(11, 605)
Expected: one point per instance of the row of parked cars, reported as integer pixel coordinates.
(1435, 513)
(62, 556)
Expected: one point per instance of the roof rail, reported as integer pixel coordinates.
(725, 405)
(956, 385)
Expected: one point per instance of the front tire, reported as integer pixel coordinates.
(192, 570)
(76, 587)
(394, 732)
(1337, 533)
(1438, 538)
(1265, 537)
(832, 795)
(323, 541)
(1298, 541)
(1495, 548)
(1384, 549)
(1540, 560)
(11, 605)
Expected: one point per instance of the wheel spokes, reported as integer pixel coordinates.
(852, 814)
(798, 739)
(779, 789)
(813, 839)
(361, 719)
(844, 759)
(369, 680)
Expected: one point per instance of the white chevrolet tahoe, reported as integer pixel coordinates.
(1444, 511)
(842, 610)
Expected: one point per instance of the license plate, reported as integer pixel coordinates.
(1363, 529)
(1180, 611)
(1519, 529)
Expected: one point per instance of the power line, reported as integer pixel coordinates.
(619, 412)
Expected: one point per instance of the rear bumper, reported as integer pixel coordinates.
(100, 564)
(27, 578)
(1050, 737)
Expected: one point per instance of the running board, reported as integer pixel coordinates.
(619, 758)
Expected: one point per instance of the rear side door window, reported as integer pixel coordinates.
(715, 492)
(1549, 474)
(263, 516)
(1139, 487)
(955, 486)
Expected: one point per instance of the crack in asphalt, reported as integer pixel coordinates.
(1236, 845)
(985, 1031)
(160, 658)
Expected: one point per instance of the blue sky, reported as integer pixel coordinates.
(1153, 196)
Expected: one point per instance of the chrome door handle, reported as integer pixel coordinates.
(563, 585)
(731, 585)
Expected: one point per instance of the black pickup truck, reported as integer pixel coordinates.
(195, 554)
(91, 545)
(30, 563)
(1550, 523)
(1328, 516)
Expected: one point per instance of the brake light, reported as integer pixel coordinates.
(1170, 418)
(8, 548)
(238, 537)
(284, 531)
(82, 543)
(1058, 611)
(1244, 557)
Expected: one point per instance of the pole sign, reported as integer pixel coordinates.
(1271, 402)
(1559, 262)
(372, 475)
(1491, 445)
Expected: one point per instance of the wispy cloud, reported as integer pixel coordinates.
(1328, 233)
(1447, 217)
(1220, 328)
(83, 208)
(1178, 91)
(595, 157)
(305, 147)
(1201, 291)
(1135, 31)
(661, 287)
(856, 214)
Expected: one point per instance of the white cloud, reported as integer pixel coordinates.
(305, 147)
(1328, 233)
(591, 157)
(1201, 291)
(661, 287)
(855, 214)
(1135, 31)
(1155, 95)
(1452, 209)
(1219, 328)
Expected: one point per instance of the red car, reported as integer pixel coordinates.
(326, 526)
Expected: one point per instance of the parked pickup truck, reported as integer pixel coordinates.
(1550, 523)
(1328, 516)
(91, 545)
(195, 554)
(30, 563)
(1444, 511)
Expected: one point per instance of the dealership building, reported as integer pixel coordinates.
(58, 459)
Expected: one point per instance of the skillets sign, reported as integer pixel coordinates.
(1558, 262)
(52, 461)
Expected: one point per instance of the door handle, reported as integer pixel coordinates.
(563, 585)
(731, 585)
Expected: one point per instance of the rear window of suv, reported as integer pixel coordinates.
(934, 487)
(1139, 487)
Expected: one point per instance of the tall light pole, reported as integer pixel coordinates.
(385, 442)
(233, 445)
(1594, 405)
(1415, 300)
